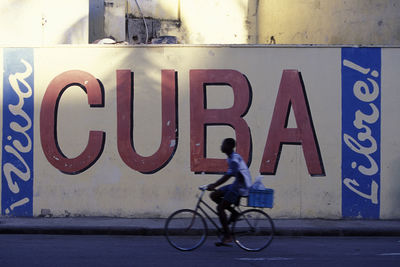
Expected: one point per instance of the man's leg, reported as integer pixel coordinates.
(217, 196)
(222, 206)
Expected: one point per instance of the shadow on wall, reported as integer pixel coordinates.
(75, 33)
(146, 63)
(102, 188)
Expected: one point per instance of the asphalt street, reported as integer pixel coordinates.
(127, 250)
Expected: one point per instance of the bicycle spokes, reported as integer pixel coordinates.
(185, 230)
(253, 231)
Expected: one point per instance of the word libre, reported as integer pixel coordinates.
(361, 121)
(361, 132)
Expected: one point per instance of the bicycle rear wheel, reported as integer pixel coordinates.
(253, 230)
(185, 229)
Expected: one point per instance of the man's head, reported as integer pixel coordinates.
(228, 145)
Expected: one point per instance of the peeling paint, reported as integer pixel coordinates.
(172, 144)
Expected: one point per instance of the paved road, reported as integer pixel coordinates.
(89, 250)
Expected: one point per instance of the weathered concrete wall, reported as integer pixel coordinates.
(44, 22)
(329, 22)
(114, 19)
(271, 22)
(96, 20)
(50, 22)
(157, 9)
(192, 22)
(48, 165)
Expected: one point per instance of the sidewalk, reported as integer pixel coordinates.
(122, 226)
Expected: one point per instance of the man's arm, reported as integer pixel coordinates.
(222, 180)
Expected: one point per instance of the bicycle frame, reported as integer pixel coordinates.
(244, 227)
(204, 212)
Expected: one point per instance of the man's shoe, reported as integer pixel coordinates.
(226, 242)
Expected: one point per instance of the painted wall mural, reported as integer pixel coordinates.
(131, 137)
(17, 149)
(361, 126)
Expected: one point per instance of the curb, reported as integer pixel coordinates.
(160, 231)
(337, 232)
(82, 231)
(155, 227)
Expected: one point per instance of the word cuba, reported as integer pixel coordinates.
(291, 94)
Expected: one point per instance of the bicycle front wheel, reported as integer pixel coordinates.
(253, 230)
(185, 230)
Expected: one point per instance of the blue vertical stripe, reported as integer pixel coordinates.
(17, 142)
(361, 132)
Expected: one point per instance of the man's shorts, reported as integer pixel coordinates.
(231, 193)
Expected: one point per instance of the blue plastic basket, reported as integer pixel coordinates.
(261, 198)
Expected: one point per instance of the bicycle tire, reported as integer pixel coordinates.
(253, 230)
(185, 230)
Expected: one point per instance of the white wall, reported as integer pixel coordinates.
(44, 22)
(217, 22)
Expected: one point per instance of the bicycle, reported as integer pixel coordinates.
(186, 229)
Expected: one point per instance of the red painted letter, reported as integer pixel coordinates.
(200, 116)
(291, 93)
(48, 121)
(169, 138)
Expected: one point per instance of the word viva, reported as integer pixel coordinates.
(291, 94)
(17, 140)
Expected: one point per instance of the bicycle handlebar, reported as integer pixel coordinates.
(203, 187)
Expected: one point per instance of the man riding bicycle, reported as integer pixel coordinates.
(229, 195)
